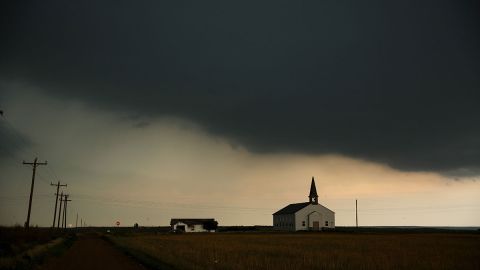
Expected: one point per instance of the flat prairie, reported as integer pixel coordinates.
(308, 250)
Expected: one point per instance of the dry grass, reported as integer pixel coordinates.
(22, 249)
(310, 251)
(26, 259)
(14, 240)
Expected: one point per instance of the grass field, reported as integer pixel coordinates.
(22, 249)
(309, 250)
(14, 240)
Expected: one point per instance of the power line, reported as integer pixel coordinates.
(55, 176)
(43, 178)
(156, 204)
(168, 205)
(21, 197)
(11, 132)
(18, 149)
(10, 129)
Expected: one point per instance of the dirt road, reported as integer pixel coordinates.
(91, 252)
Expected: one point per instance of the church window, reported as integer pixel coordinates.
(303, 223)
(326, 223)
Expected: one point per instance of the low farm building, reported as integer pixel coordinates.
(305, 216)
(194, 224)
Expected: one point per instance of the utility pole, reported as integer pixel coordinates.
(356, 213)
(64, 216)
(34, 164)
(60, 210)
(76, 221)
(65, 200)
(56, 200)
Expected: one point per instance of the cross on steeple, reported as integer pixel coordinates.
(313, 196)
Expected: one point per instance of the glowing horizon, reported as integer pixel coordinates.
(172, 168)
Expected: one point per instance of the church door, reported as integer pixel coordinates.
(316, 225)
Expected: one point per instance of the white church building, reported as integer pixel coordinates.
(305, 216)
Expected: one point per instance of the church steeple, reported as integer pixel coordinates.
(313, 196)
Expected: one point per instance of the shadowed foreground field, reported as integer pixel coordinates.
(309, 251)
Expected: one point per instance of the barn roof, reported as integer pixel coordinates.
(191, 221)
(291, 208)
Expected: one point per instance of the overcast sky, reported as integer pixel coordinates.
(151, 110)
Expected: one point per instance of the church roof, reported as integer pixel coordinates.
(291, 208)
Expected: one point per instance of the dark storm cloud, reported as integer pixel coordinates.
(12, 143)
(394, 82)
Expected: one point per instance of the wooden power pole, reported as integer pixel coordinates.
(56, 200)
(34, 164)
(65, 200)
(60, 210)
(356, 213)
